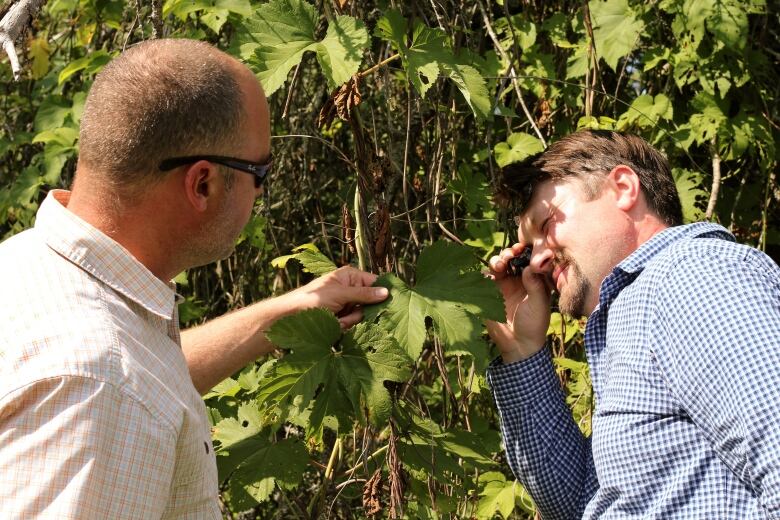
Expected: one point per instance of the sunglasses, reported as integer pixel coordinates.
(259, 170)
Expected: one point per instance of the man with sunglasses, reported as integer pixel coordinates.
(100, 407)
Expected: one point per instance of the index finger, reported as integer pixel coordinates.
(356, 277)
(498, 263)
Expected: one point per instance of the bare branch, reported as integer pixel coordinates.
(13, 25)
(715, 179)
(512, 73)
(157, 19)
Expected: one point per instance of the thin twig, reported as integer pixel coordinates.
(379, 65)
(512, 73)
(405, 184)
(291, 90)
(157, 19)
(715, 179)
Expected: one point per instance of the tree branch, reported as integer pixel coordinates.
(715, 179)
(13, 25)
(512, 73)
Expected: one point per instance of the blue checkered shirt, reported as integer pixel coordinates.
(684, 355)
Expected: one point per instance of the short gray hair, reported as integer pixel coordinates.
(159, 99)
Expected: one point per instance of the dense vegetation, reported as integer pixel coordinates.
(391, 121)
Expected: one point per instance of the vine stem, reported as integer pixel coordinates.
(335, 456)
(374, 455)
(378, 65)
(715, 179)
(512, 73)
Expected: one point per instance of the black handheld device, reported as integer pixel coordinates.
(517, 264)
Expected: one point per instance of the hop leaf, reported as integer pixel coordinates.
(429, 56)
(450, 292)
(274, 39)
(349, 369)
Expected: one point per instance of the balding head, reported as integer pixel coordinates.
(159, 99)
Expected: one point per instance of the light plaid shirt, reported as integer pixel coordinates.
(98, 415)
(684, 355)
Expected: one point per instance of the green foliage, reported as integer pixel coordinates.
(616, 29)
(450, 292)
(352, 368)
(275, 37)
(429, 56)
(516, 148)
(312, 260)
(434, 122)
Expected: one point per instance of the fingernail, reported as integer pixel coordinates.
(381, 292)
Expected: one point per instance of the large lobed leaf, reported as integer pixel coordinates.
(450, 292)
(347, 372)
(429, 56)
(274, 39)
(616, 29)
(253, 463)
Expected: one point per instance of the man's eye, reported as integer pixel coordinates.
(545, 224)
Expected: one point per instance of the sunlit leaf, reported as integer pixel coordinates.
(616, 29)
(274, 39)
(310, 257)
(450, 291)
(517, 147)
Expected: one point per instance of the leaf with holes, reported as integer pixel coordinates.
(339, 369)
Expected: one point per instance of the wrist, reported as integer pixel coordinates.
(521, 351)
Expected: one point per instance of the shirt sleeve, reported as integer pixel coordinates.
(720, 353)
(77, 448)
(544, 447)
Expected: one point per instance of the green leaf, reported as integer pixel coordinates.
(310, 257)
(689, 24)
(498, 496)
(729, 24)
(517, 147)
(51, 113)
(39, 52)
(646, 112)
(692, 196)
(254, 465)
(225, 388)
(182, 8)
(654, 56)
(91, 63)
(449, 291)
(615, 29)
(341, 51)
(64, 136)
(430, 56)
(254, 232)
(368, 357)
(278, 33)
(708, 120)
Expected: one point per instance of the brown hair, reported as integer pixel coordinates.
(589, 155)
(159, 99)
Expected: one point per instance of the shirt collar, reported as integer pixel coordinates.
(101, 256)
(626, 271)
(637, 260)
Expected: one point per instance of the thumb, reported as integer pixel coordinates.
(536, 286)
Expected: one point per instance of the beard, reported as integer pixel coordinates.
(574, 295)
(216, 240)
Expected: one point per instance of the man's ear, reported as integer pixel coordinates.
(627, 187)
(199, 184)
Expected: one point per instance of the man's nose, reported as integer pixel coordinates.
(541, 258)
